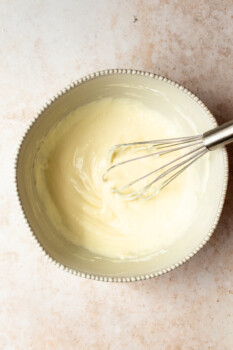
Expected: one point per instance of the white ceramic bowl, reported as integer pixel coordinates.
(118, 82)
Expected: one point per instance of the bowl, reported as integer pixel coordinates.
(118, 83)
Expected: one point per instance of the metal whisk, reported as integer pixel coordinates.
(196, 147)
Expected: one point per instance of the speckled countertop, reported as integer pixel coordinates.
(44, 45)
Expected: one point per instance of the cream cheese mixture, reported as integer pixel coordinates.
(68, 172)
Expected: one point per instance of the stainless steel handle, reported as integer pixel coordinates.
(218, 137)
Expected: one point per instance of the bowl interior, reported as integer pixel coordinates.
(146, 89)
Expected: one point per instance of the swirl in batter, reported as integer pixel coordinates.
(69, 168)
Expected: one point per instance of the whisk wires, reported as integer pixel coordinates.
(165, 173)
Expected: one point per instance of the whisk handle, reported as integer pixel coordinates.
(218, 137)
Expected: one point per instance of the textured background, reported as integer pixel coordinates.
(46, 44)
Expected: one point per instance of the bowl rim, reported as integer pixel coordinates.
(63, 92)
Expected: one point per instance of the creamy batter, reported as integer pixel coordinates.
(68, 172)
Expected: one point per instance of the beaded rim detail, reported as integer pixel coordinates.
(138, 277)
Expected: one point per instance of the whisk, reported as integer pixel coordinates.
(194, 146)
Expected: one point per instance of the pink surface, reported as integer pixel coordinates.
(44, 45)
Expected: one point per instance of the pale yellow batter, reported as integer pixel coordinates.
(69, 168)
